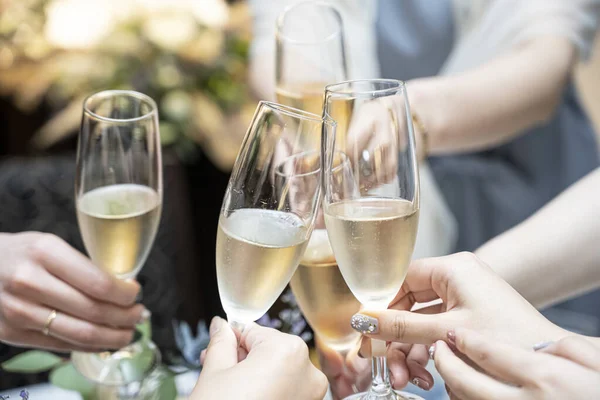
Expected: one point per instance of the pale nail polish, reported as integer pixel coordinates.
(215, 326)
(364, 324)
(542, 345)
(432, 351)
(421, 383)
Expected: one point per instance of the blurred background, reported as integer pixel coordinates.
(191, 57)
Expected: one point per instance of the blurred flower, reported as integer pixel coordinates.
(269, 322)
(189, 55)
(212, 13)
(77, 24)
(191, 346)
(171, 30)
(176, 105)
(206, 48)
(207, 117)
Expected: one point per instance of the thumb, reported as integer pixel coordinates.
(402, 326)
(222, 349)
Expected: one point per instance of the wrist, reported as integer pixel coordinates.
(430, 99)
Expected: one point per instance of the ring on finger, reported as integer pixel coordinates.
(51, 318)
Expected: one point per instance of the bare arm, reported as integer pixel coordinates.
(555, 254)
(493, 103)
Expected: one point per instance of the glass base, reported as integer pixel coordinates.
(128, 365)
(396, 395)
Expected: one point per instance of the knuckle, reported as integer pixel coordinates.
(95, 312)
(23, 280)
(12, 312)
(87, 335)
(7, 334)
(567, 345)
(297, 346)
(42, 244)
(468, 257)
(102, 287)
(320, 384)
(398, 326)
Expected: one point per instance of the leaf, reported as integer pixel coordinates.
(167, 389)
(145, 328)
(32, 362)
(67, 377)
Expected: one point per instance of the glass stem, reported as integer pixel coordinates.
(380, 384)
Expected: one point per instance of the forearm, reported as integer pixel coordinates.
(493, 103)
(553, 255)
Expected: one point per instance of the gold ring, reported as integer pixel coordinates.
(51, 318)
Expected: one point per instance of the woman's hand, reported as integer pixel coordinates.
(267, 365)
(40, 273)
(568, 369)
(472, 296)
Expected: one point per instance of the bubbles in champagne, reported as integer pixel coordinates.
(257, 253)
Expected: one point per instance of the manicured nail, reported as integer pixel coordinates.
(542, 345)
(421, 383)
(432, 351)
(451, 338)
(364, 324)
(215, 325)
(146, 314)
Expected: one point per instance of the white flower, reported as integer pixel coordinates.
(212, 13)
(170, 30)
(77, 24)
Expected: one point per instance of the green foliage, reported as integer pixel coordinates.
(160, 385)
(32, 362)
(67, 377)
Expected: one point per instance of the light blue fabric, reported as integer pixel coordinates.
(414, 37)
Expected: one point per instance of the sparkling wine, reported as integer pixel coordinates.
(323, 296)
(118, 224)
(257, 253)
(373, 240)
(309, 97)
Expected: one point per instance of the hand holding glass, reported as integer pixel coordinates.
(372, 206)
(118, 190)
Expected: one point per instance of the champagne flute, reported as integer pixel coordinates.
(309, 54)
(320, 290)
(306, 61)
(118, 192)
(269, 209)
(372, 208)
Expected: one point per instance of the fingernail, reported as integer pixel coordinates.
(215, 325)
(146, 314)
(364, 324)
(421, 383)
(541, 345)
(432, 351)
(451, 338)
